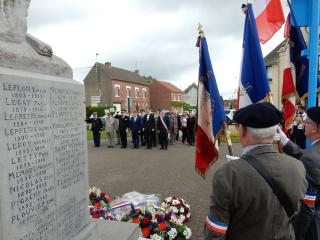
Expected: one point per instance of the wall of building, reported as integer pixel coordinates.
(122, 99)
(160, 97)
(191, 97)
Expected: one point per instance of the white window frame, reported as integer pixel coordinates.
(115, 92)
(128, 87)
(144, 93)
(136, 92)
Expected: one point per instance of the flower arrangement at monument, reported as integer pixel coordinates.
(178, 206)
(164, 222)
(100, 204)
(155, 223)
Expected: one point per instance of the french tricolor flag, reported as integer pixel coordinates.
(254, 85)
(288, 90)
(211, 113)
(269, 17)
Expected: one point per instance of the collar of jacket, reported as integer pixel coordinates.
(259, 149)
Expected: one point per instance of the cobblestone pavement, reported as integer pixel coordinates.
(169, 173)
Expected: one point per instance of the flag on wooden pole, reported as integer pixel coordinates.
(254, 85)
(211, 113)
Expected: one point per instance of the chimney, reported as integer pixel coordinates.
(108, 64)
(136, 71)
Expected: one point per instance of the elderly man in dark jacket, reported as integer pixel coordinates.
(307, 224)
(96, 127)
(243, 203)
(124, 124)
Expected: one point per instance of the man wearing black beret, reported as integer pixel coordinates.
(243, 204)
(307, 224)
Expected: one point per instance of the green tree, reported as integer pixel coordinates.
(98, 109)
(149, 79)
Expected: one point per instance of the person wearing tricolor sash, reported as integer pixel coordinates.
(307, 224)
(244, 204)
(162, 126)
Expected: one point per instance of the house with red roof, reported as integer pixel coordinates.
(162, 94)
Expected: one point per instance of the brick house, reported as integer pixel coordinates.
(163, 93)
(116, 87)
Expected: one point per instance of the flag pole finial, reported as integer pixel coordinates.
(200, 29)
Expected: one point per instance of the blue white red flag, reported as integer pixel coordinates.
(211, 113)
(254, 85)
(269, 17)
(301, 62)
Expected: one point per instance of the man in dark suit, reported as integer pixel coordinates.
(307, 224)
(191, 123)
(142, 135)
(124, 124)
(243, 205)
(96, 127)
(135, 126)
(163, 123)
(148, 128)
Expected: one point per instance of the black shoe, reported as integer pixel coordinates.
(111, 146)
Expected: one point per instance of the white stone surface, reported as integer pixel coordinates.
(43, 166)
(19, 50)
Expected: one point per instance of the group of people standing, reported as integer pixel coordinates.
(147, 128)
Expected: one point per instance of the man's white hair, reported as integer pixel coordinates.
(263, 135)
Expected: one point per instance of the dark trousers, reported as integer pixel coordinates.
(184, 134)
(190, 137)
(96, 138)
(142, 138)
(135, 139)
(154, 138)
(148, 137)
(177, 136)
(163, 139)
(123, 137)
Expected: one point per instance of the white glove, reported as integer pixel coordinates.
(280, 136)
(231, 158)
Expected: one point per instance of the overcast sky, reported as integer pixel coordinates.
(155, 36)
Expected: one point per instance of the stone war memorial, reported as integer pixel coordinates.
(43, 164)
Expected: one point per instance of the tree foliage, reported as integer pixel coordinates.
(149, 79)
(184, 105)
(98, 109)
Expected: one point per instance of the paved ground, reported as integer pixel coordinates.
(167, 173)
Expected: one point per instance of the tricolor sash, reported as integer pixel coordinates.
(163, 123)
(216, 225)
(310, 198)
